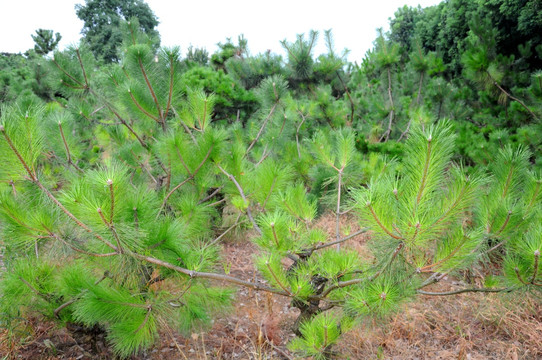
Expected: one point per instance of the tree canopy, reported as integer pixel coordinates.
(102, 20)
(45, 41)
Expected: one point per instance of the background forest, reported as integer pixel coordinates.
(124, 166)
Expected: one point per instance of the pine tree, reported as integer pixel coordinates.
(387, 56)
(114, 205)
(45, 41)
(482, 64)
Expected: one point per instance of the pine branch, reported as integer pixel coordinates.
(82, 67)
(448, 211)
(535, 195)
(63, 306)
(352, 106)
(145, 320)
(375, 217)
(46, 297)
(213, 276)
(390, 261)
(182, 160)
(112, 229)
(242, 193)
(72, 86)
(170, 92)
(16, 152)
(277, 280)
(338, 211)
(161, 115)
(211, 195)
(425, 170)
(121, 119)
(261, 129)
(83, 86)
(237, 223)
(441, 261)
(520, 278)
(141, 108)
(510, 96)
(68, 154)
(331, 243)
(339, 285)
(536, 262)
(59, 238)
(35, 180)
(386, 135)
(509, 213)
(76, 298)
(297, 134)
(185, 180)
(112, 198)
(455, 292)
(186, 128)
(19, 221)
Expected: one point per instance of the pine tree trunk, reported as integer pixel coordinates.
(419, 89)
(386, 135)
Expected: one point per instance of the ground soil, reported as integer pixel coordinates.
(466, 326)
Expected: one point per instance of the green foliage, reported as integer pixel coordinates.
(319, 335)
(22, 126)
(251, 71)
(102, 21)
(300, 59)
(230, 97)
(45, 41)
(115, 196)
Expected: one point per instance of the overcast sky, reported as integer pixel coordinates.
(205, 23)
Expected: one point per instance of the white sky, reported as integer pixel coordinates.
(205, 23)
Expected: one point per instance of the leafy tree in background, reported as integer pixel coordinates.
(403, 25)
(518, 22)
(102, 19)
(482, 63)
(45, 41)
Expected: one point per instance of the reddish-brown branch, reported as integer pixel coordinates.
(74, 248)
(297, 134)
(536, 261)
(425, 171)
(505, 222)
(277, 280)
(338, 210)
(67, 74)
(141, 108)
(170, 93)
(82, 67)
(455, 292)
(510, 96)
(160, 114)
(213, 276)
(185, 180)
(242, 193)
(68, 154)
(380, 223)
(16, 152)
(454, 251)
(253, 142)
